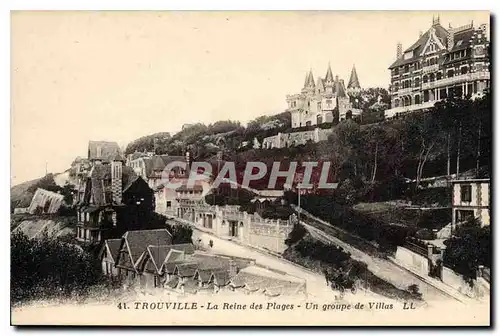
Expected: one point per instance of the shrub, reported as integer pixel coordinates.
(425, 234)
(298, 232)
(46, 267)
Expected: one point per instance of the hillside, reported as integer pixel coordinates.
(35, 226)
(22, 194)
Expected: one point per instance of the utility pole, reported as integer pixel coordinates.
(300, 209)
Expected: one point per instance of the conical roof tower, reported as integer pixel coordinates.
(353, 80)
(329, 75)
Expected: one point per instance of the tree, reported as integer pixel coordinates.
(423, 136)
(469, 248)
(375, 143)
(47, 267)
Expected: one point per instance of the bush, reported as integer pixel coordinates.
(469, 248)
(298, 232)
(425, 234)
(46, 267)
(181, 234)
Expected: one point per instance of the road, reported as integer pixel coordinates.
(315, 283)
(382, 268)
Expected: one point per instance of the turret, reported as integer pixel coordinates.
(329, 76)
(353, 84)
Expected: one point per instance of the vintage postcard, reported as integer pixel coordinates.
(294, 168)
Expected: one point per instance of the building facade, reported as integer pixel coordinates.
(440, 64)
(111, 198)
(323, 101)
(471, 199)
(282, 140)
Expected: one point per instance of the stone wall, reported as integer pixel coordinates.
(247, 228)
(282, 140)
(412, 260)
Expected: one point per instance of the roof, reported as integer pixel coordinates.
(118, 157)
(186, 269)
(476, 180)
(113, 246)
(320, 84)
(353, 80)
(159, 162)
(329, 74)
(159, 253)
(441, 34)
(309, 80)
(139, 240)
(341, 89)
(221, 277)
(103, 150)
(101, 173)
(203, 275)
(212, 262)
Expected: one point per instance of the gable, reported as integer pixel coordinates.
(433, 44)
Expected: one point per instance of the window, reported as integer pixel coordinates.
(417, 82)
(449, 73)
(417, 99)
(426, 96)
(439, 75)
(466, 193)
(463, 215)
(463, 70)
(407, 68)
(169, 204)
(319, 106)
(156, 281)
(328, 102)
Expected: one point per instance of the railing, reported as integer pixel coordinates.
(390, 113)
(405, 90)
(483, 75)
(416, 248)
(430, 68)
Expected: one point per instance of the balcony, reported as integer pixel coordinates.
(391, 113)
(430, 68)
(468, 77)
(406, 91)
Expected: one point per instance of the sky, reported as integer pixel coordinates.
(117, 76)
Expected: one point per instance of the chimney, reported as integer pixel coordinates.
(435, 20)
(399, 50)
(116, 179)
(450, 39)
